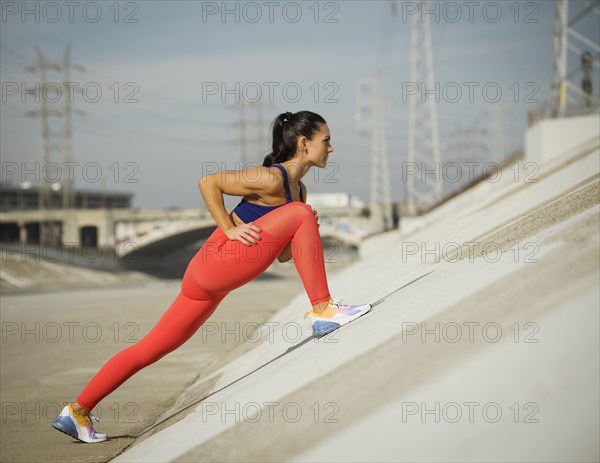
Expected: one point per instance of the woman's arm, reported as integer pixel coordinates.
(255, 181)
(286, 254)
(213, 197)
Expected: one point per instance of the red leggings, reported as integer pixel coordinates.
(220, 266)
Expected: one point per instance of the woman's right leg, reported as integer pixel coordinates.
(175, 327)
(190, 309)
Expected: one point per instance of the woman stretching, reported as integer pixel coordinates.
(245, 243)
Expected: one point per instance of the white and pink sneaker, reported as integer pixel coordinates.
(335, 315)
(78, 426)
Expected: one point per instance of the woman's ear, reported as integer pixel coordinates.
(302, 144)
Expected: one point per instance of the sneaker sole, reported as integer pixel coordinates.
(67, 428)
(323, 326)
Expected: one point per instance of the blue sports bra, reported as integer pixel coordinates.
(248, 212)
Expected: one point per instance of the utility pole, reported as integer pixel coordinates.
(260, 132)
(423, 137)
(251, 148)
(242, 137)
(498, 144)
(55, 144)
(568, 97)
(371, 118)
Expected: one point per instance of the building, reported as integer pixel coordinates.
(24, 197)
(334, 200)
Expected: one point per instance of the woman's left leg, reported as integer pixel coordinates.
(228, 264)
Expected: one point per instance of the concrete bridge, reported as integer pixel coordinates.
(148, 231)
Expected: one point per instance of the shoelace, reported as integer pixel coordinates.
(336, 301)
(93, 419)
(90, 416)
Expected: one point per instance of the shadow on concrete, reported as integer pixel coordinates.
(401, 287)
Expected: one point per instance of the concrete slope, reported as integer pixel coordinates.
(482, 344)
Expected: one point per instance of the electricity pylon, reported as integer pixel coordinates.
(371, 118)
(56, 144)
(423, 139)
(569, 97)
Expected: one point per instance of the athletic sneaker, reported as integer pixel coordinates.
(336, 314)
(78, 426)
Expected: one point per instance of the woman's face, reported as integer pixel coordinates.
(319, 147)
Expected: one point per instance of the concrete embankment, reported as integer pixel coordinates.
(482, 344)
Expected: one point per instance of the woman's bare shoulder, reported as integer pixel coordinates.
(272, 179)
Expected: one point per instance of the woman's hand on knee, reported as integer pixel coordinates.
(316, 217)
(246, 233)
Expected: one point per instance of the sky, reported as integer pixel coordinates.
(155, 103)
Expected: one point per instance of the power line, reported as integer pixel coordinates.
(7, 52)
(157, 94)
(172, 139)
